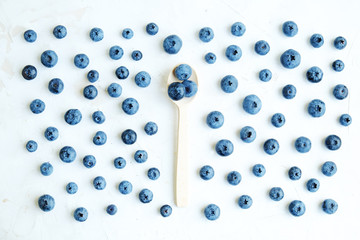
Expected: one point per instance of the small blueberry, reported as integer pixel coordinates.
(259, 170)
(93, 76)
(90, 92)
(314, 74)
(153, 173)
(114, 90)
(271, 146)
(313, 185)
(73, 116)
(316, 108)
(210, 58)
(127, 33)
(345, 120)
(206, 34)
(81, 60)
(229, 84)
(98, 117)
(31, 146)
(130, 106)
(140, 156)
(340, 43)
(297, 208)
(290, 59)
(207, 172)
(329, 206)
(278, 120)
(125, 187)
(89, 161)
(119, 163)
(60, 32)
(145, 195)
(215, 119)
(252, 104)
(238, 29)
(212, 212)
(96, 34)
(136, 55)
(122, 72)
(71, 188)
(302, 144)
(172, 44)
(329, 168)
(234, 178)
(340, 91)
(165, 211)
(151, 128)
(46, 203)
(294, 173)
(56, 86)
(99, 183)
(245, 201)
(190, 88)
(67, 154)
(99, 138)
(290, 28)
(46, 169)
(30, 36)
(333, 142)
(129, 136)
(81, 214)
(276, 193)
(49, 58)
(152, 28)
(224, 147)
(262, 47)
(142, 79)
(29, 72)
(51, 133)
(183, 72)
(289, 91)
(37, 106)
(247, 134)
(116, 52)
(338, 65)
(111, 209)
(233, 53)
(265, 75)
(176, 91)
(316, 40)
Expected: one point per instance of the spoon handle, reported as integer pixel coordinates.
(181, 181)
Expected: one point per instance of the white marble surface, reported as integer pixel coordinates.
(21, 182)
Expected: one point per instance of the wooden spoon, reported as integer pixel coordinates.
(181, 165)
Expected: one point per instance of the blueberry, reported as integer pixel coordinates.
(31, 146)
(316, 40)
(289, 91)
(81, 214)
(265, 75)
(142, 79)
(51, 133)
(165, 211)
(67, 154)
(140, 156)
(278, 120)
(46, 203)
(90, 92)
(338, 65)
(29, 72)
(111, 209)
(207, 172)
(271, 146)
(37, 106)
(247, 134)
(81, 60)
(153, 173)
(183, 72)
(314, 74)
(206, 34)
(172, 44)
(151, 128)
(333, 142)
(329, 206)
(46, 169)
(259, 170)
(233, 53)
(297, 208)
(329, 168)
(125, 187)
(127, 33)
(60, 31)
(116, 52)
(176, 91)
(313, 185)
(122, 72)
(238, 29)
(93, 76)
(99, 183)
(49, 58)
(229, 84)
(136, 55)
(215, 119)
(130, 106)
(276, 194)
(190, 88)
(99, 138)
(129, 136)
(56, 86)
(71, 188)
(290, 28)
(152, 29)
(30, 36)
(96, 34)
(234, 178)
(210, 58)
(119, 163)
(262, 47)
(98, 117)
(302, 144)
(340, 92)
(212, 212)
(252, 104)
(316, 108)
(340, 43)
(73, 116)
(245, 201)
(114, 90)
(224, 147)
(89, 161)
(145, 195)
(290, 59)
(345, 120)
(294, 173)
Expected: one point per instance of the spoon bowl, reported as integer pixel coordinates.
(182, 161)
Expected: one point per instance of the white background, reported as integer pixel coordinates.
(21, 182)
